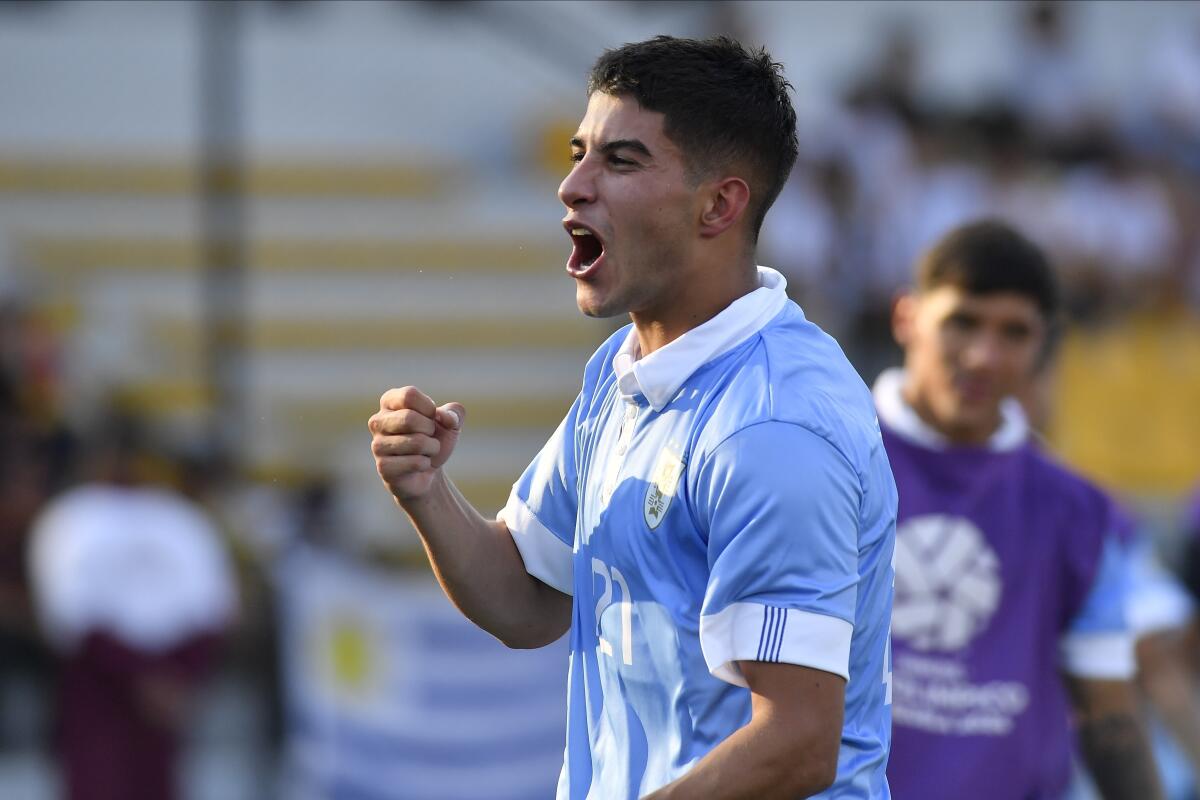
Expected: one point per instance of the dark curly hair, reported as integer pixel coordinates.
(724, 107)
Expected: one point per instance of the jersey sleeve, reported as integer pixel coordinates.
(1157, 601)
(540, 513)
(780, 507)
(1098, 643)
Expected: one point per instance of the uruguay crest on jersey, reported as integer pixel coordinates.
(663, 484)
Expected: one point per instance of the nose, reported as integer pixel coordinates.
(579, 186)
(985, 351)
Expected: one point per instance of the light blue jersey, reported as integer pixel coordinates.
(726, 498)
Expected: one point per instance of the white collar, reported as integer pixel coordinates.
(658, 376)
(898, 415)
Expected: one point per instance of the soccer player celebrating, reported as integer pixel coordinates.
(713, 520)
(1010, 587)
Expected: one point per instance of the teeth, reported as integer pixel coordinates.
(580, 232)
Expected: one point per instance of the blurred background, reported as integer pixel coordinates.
(229, 227)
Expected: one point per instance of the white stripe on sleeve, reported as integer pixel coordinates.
(546, 557)
(1101, 656)
(755, 632)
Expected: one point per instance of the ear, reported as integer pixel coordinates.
(904, 312)
(724, 205)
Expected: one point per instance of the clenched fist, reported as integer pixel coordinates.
(411, 438)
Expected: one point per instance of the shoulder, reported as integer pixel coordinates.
(1083, 519)
(76, 509)
(76, 530)
(791, 373)
(1061, 490)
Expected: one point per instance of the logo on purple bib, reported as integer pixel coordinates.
(947, 583)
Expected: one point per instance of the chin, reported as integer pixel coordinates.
(592, 306)
(977, 423)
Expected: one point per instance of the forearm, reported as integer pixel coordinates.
(475, 560)
(479, 567)
(1168, 683)
(1118, 758)
(1113, 744)
(757, 762)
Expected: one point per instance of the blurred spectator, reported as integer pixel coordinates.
(871, 138)
(1115, 232)
(892, 80)
(1049, 82)
(1166, 115)
(1043, 157)
(1020, 190)
(942, 189)
(134, 592)
(23, 482)
(801, 240)
(34, 452)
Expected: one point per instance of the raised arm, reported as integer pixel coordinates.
(474, 559)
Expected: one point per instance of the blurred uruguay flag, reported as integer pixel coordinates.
(390, 694)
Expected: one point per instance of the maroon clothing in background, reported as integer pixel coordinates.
(114, 744)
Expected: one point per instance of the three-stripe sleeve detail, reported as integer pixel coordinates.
(758, 632)
(770, 640)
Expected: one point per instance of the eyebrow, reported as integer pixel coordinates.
(616, 144)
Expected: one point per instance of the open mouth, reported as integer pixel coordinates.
(587, 250)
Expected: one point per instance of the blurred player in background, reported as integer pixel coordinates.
(1190, 525)
(714, 519)
(1010, 580)
(1169, 656)
(134, 592)
(1162, 618)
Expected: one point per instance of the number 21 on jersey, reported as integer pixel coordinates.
(610, 576)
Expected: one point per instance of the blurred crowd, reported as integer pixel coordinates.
(117, 592)
(1109, 187)
(35, 453)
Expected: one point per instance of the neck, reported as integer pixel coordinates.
(699, 298)
(966, 434)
